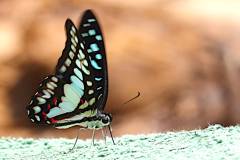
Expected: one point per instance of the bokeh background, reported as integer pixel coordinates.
(183, 56)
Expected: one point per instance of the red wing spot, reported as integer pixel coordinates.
(48, 107)
(54, 101)
(53, 120)
(44, 115)
(82, 101)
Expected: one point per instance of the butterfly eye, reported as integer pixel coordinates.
(105, 120)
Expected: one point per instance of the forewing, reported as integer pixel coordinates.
(90, 30)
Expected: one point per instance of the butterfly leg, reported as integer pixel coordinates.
(104, 134)
(110, 131)
(93, 136)
(76, 139)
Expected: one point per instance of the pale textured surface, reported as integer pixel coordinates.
(215, 142)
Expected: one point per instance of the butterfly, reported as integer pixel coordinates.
(77, 93)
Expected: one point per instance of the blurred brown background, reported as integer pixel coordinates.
(183, 56)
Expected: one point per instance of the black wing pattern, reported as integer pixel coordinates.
(91, 32)
(79, 86)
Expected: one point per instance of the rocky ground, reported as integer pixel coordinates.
(213, 143)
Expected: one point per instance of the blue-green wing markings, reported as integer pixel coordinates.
(90, 30)
(78, 89)
(70, 90)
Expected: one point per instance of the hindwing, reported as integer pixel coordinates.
(73, 89)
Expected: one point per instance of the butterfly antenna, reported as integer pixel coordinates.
(138, 94)
(110, 131)
(109, 127)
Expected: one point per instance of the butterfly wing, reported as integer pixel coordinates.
(90, 30)
(69, 92)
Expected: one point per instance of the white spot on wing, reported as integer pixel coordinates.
(54, 79)
(63, 69)
(73, 48)
(36, 109)
(73, 41)
(85, 62)
(68, 62)
(50, 86)
(84, 69)
(90, 91)
(46, 94)
(72, 33)
(82, 46)
(92, 101)
(89, 83)
(76, 39)
(84, 34)
(78, 63)
(37, 117)
(71, 54)
(91, 20)
(99, 88)
(99, 96)
(86, 25)
(41, 100)
(78, 73)
(53, 84)
(82, 56)
(73, 29)
(51, 92)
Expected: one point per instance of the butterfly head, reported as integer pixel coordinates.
(105, 119)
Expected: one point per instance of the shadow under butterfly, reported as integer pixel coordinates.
(76, 94)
